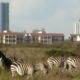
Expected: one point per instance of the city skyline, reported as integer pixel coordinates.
(53, 15)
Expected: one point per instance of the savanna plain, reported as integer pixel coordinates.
(34, 53)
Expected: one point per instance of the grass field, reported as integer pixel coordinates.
(40, 53)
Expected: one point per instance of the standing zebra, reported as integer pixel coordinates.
(21, 68)
(72, 62)
(56, 61)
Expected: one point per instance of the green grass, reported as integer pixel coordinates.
(53, 75)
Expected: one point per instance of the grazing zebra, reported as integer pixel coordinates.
(41, 67)
(21, 68)
(56, 61)
(4, 61)
(72, 62)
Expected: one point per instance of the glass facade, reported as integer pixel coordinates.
(4, 17)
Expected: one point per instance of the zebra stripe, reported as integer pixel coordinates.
(21, 69)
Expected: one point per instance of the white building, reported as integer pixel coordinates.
(40, 37)
(76, 35)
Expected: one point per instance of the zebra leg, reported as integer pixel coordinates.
(13, 74)
(70, 67)
(50, 66)
(30, 72)
(64, 67)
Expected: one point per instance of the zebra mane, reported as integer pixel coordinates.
(2, 55)
(16, 59)
(6, 61)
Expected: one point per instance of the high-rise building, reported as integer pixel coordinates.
(4, 17)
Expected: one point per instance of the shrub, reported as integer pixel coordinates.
(56, 52)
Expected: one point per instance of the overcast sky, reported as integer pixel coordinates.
(56, 16)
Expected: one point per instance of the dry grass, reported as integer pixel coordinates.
(34, 55)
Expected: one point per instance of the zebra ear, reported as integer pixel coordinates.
(11, 58)
(15, 59)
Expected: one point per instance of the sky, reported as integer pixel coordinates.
(55, 16)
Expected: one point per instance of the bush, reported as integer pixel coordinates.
(55, 52)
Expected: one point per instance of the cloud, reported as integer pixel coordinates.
(57, 20)
(19, 7)
(31, 9)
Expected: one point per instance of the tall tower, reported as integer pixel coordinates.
(77, 27)
(4, 16)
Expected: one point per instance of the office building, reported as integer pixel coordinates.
(4, 17)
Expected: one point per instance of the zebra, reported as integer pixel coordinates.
(72, 62)
(57, 61)
(21, 68)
